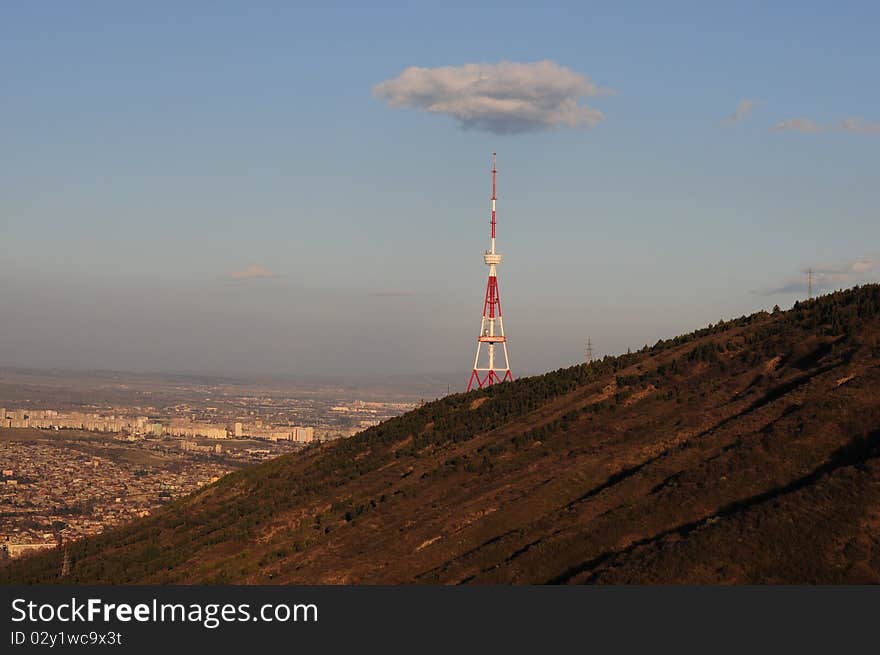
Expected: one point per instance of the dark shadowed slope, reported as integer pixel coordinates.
(745, 452)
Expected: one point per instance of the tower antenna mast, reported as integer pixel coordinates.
(491, 325)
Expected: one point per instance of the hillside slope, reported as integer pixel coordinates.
(746, 452)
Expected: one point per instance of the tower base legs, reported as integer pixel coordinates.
(489, 379)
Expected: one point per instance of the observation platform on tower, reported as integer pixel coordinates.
(491, 257)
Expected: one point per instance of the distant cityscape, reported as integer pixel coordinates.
(139, 426)
(77, 469)
(347, 419)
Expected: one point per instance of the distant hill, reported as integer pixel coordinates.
(746, 452)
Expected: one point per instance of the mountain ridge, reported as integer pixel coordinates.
(742, 452)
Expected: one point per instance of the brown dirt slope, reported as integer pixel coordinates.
(746, 452)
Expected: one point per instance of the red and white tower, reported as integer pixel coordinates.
(492, 325)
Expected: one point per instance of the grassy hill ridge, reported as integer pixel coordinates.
(743, 452)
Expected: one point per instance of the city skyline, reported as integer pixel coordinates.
(278, 193)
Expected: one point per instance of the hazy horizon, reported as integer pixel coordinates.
(455, 378)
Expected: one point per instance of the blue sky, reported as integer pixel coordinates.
(152, 152)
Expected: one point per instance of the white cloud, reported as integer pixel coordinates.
(860, 126)
(253, 272)
(799, 124)
(857, 267)
(742, 111)
(863, 269)
(864, 265)
(502, 98)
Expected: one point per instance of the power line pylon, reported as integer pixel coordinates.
(61, 543)
(65, 563)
